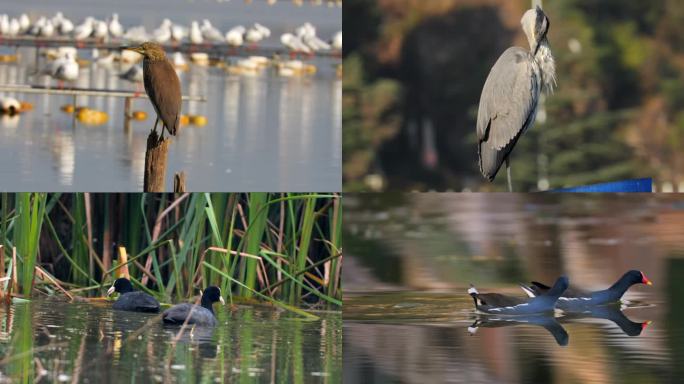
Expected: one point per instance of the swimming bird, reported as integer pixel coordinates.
(64, 68)
(9, 105)
(499, 304)
(162, 85)
(510, 96)
(579, 297)
(131, 300)
(195, 314)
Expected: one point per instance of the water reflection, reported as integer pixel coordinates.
(410, 259)
(547, 322)
(81, 342)
(264, 132)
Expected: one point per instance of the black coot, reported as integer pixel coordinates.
(195, 314)
(131, 300)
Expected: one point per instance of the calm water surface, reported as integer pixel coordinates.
(410, 258)
(53, 341)
(264, 133)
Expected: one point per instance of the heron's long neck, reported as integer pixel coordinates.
(547, 66)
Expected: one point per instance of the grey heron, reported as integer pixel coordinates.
(510, 96)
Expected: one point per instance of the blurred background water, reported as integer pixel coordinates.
(264, 132)
(414, 72)
(410, 257)
(48, 341)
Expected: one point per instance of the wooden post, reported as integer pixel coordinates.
(179, 182)
(155, 163)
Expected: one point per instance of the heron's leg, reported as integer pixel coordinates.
(155, 125)
(508, 175)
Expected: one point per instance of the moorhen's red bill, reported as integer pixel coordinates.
(577, 297)
(499, 304)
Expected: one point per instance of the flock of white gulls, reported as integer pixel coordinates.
(63, 64)
(303, 39)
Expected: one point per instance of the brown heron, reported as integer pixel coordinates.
(161, 85)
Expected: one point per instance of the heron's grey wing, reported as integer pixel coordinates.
(509, 98)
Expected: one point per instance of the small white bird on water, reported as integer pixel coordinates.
(134, 74)
(64, 68)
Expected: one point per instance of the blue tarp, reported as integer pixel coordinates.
(634, 185)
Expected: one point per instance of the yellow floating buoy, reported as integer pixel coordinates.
(198, 120)
(139, 115)
(8, 58)
(91, 117)
(26, 106)
(184, 120)
(68, 108)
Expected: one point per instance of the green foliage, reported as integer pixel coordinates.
(271, 246)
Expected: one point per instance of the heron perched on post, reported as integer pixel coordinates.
(161, 85)
(509, 100)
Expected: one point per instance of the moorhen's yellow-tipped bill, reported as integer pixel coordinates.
(645, 280)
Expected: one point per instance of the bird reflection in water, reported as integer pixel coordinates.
(552, 324)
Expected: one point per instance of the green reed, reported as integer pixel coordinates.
(278, 248)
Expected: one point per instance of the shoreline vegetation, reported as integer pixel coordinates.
(275, 249)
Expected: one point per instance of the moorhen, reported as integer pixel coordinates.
(130, 300)
(499, 304)
(195, 314)
(574, 297)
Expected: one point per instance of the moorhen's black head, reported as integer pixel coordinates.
(636, 277)
(211, 295)
(121, 285)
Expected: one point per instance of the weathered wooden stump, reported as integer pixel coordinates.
(179, 182)
(155, 162)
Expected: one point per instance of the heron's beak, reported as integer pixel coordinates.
(223, 302)
(134, 49)
(110, 290)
